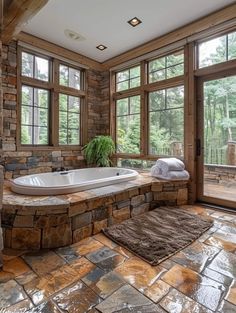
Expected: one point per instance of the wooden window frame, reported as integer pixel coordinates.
(67, 113)
(54, 89)
(143, 90)
(166, 109)
(219, 66)
(129, 114)
(33, 108)
(166, 67)
(128, 80)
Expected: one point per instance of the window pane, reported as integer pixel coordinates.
(129, 78)
(156, 76)
(40, 135)
(63, 136)
(166, 130)
(157, 100)
(174, 59)
(34, 116)
(70, 77)
(63, 120)
(26, 135)
(128, 134)
(27, 95)
(166, 121)
(166, 67)
(73, 137)
(175, 97)
(41, 68)
(128, 127)
(64, 75)
(122, 107)
(174, 71)
(73, 120)
(63, 102)
(157, 64)
(135, 82)
(74, 78)
(135, 105)
(74, 104)
(212, 52)
(232, 46)
(121, 76)
(41, 98)
(40, 117)
(135, 72)
(69, 119)
(122, 86)
(27, 67)
(27, 115)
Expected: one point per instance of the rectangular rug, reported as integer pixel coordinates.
(156, 235)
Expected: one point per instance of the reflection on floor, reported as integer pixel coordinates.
(96, 275)
(225, 191)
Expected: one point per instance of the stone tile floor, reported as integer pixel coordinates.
(96, 275)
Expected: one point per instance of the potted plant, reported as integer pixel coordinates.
(99, 150)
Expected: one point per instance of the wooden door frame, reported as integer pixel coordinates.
(200, 136)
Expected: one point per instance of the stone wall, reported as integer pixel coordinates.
(18, 163)
(50, 222)
(220, 174)
(1, 99)
(1, 196)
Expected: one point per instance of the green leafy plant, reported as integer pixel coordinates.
(99, 150)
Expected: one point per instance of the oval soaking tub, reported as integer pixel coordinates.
(58, 183)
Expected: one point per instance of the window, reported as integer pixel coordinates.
(35, 67)
(69, 120)
(128, 125)
(127, 79)
(166, 121)
(46, 102)
(34, 116)
(166, 67)
(70, 77)
(217, 50)
(149, 120)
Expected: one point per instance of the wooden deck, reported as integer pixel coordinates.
(226, 192)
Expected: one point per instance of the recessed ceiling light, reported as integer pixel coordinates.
(134, 21)
(73, 35)
(101, 47)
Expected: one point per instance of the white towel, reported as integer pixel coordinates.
(169, 164)
(155, 171)
(174, 175)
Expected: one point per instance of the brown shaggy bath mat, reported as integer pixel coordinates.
(158, 234)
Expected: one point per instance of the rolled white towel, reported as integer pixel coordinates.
(155, 171)
(169, 164)
(174, 175)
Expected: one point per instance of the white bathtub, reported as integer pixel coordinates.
(58, 183)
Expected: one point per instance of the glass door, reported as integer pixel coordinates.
(216, 143)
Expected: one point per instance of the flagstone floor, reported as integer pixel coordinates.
(97, 275)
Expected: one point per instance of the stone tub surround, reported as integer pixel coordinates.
(36, 222)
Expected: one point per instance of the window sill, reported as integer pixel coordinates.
(48, 148)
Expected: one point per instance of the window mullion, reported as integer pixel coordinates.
(54, 105)
(143, 112)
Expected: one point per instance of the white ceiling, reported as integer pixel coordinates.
(105, 22)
